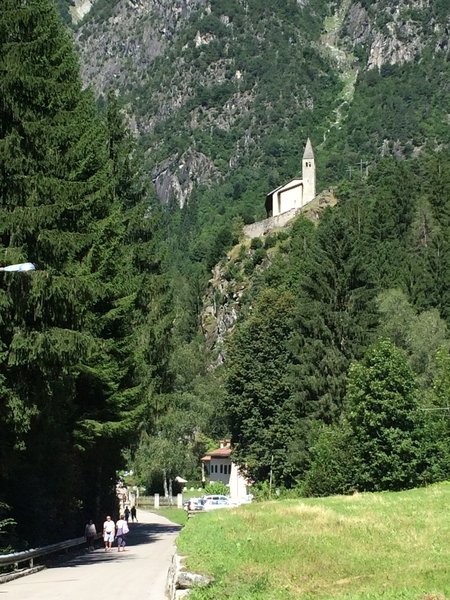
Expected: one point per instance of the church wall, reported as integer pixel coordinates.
(291, 198)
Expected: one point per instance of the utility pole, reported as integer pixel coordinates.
(271, 477)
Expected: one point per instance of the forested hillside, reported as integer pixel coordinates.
(336, 374)
(368, 285)
(223, 95)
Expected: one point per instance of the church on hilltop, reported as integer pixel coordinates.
(297, 192)
(285, 201)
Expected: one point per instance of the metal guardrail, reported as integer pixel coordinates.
(29, 555)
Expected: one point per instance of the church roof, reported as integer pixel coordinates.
(308, 153)
(291, 183)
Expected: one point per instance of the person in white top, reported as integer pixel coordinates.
(122, 530)
(109, 529)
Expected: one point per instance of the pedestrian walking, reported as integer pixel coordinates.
(109, 529)
(127, 513)
(122, 530)
(89, 533)
(133, 514)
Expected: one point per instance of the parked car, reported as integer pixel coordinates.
(194, 504)
(215, 501)
(248, 499)
(216, 497)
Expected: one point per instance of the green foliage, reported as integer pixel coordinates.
(71, 339)
(436, 422)
(258, 399)
(421, 335)
(381, 412)
(217, 488)
(331, 459)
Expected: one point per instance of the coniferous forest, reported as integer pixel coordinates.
(336, 376)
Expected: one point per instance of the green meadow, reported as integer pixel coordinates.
(389, 546)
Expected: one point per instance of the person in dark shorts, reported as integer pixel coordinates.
(122, 530)
(133, 513)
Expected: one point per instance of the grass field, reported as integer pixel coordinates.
(176, 515)
(387, 546)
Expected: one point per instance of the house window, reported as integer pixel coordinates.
(221, 468)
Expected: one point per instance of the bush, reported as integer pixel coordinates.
(329, 473)
(259, 256)
(270, 241)
(217, 488)
(256, 243)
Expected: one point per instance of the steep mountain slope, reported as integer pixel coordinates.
(401, 101)
(216, 88)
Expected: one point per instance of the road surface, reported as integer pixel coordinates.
(139, 572)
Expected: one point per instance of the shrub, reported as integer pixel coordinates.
(256, 243)
(259, 256)
(217, 488)
(270, 241)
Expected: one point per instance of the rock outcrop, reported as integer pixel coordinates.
(177, 176)
(180, 582)
(395, 33)
(117, 49)
(232, 278)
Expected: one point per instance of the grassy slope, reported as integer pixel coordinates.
(367, 546)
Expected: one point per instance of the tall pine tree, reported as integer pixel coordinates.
(65, 385)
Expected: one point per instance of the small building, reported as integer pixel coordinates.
(297, 192)
(217, 466)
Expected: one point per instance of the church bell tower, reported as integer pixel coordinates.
(308, 174)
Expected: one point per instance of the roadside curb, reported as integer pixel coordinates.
(21, 573)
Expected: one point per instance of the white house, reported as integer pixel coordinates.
(218, 466)
(297, 192)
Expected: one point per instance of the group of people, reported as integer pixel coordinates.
(111, 530)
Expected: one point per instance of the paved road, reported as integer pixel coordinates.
(139, 572)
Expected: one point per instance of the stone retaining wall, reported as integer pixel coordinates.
(262, 227)
(180, 582)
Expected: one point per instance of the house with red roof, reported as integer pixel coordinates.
(217, 466)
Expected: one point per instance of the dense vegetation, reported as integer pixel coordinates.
(332, 381)
(72, 348)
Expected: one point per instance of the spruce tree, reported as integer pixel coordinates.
(63, 377)
(259, 403)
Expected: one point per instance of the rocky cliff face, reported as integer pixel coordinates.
(396, 32)
(177, 176)
(79, 9)
(119, 48)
